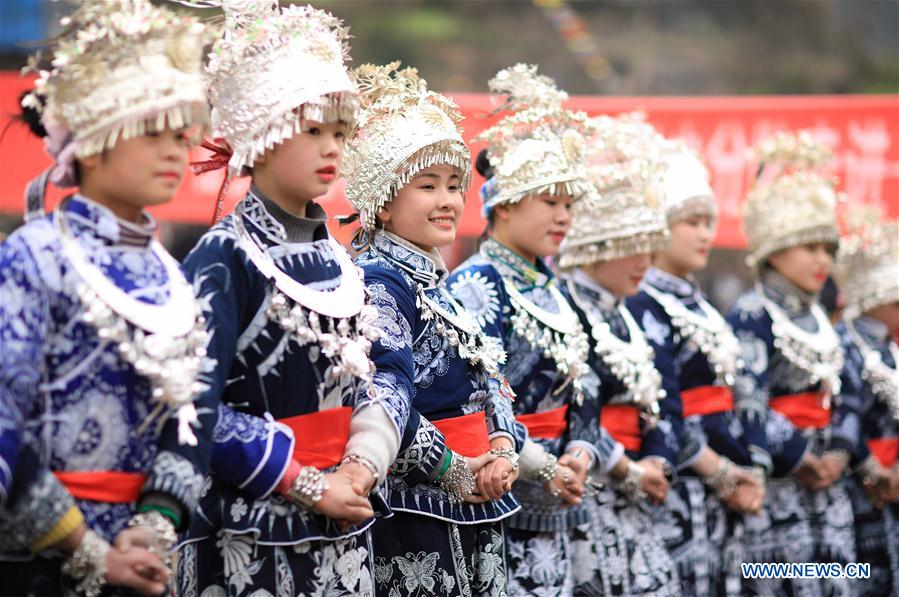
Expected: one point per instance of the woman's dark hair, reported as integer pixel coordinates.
(31, 116)
(482, 164)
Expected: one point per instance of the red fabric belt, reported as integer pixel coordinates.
(803, 410)
(320, 437)
(111, 487)
(466, 435)
(707, 400)
(886, 450)
(547, 425)
(622, 421)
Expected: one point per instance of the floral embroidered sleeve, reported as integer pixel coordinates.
(481, 290)
(421, 444)
(34, 499)
(847, 426)
(248, 452)
(775, 445)
(667, 439)
(10, 443)
(584, 430)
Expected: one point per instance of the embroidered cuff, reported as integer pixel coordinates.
(70, 521)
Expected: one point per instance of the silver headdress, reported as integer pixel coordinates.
(538, 149)
(272, 70)
(683, 183)
(791, 204)
(120, 68)
(867, 270)
(621, 216)
(403, 129)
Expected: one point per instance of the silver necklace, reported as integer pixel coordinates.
(464, 333)
(818, 354)
(339, 321)
(630, 361)
(166, 343)
(709, 333)
(559, 335)
(883, 379)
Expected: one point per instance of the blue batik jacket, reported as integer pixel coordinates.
(767, 373)
(265, 373)
(485, 285)
(68, 399)
(869, 401)
(661, 434)
(682, 347)
(417, 363)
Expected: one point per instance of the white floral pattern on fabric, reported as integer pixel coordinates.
(479, 295)
(395, 330)
(654, 330)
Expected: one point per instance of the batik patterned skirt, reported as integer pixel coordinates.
(539, 563)
(877, 543)
(692, 524)
(418, 555)
(619, 552)
(797, 525)
(235, 565)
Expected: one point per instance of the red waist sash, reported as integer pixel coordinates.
(622, 421)
(547, 425)
(707, 400)
(466, 435)
(886, 450)
(803, 410)
(321, 437)
(111, 487)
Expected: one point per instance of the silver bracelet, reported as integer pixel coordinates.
(548, 470)
(308, 487)
(869, 470)
(87, 565)
(363, 461)
(722, 481)
(509, 454)
(630, 485)
(162, 531)
(760, 474)
(458, 481)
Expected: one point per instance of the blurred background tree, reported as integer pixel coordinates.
(638, 47)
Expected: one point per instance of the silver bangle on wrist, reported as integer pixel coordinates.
(548, 470)
(363, 461)
(869, 470)
(87, 565)
(722, 481)
(629, 486)
(458, 481)
(509, 454)
(760, 474)
(308, 487)
(161, 529)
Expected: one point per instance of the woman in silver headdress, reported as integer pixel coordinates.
(790, 378)
(697, 355)
(619, 550)
(302, 441)
(867, 272)
(407, 168)
(534, 164)
(102, 447)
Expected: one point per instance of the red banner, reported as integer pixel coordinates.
(863, 131)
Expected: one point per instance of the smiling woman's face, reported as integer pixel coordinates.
(427, 210)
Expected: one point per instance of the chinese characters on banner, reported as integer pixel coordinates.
(863, 131)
